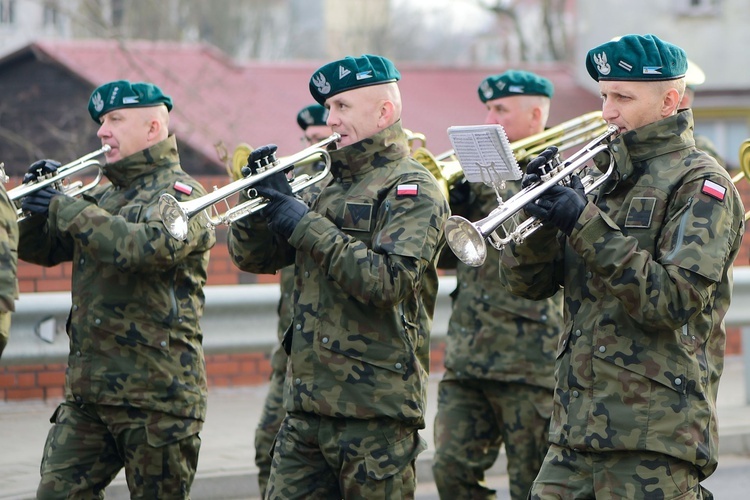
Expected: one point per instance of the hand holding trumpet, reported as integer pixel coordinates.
(40, 168)
(560, 205)
(259, 160)
(37, 203)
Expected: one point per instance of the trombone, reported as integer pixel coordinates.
(744, 168)
(58, 179)
(176, 215)
(447, 170)
(467, 239)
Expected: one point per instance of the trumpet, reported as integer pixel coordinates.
(176, 215)
(744, 168)
(59, 181)
(467, 239)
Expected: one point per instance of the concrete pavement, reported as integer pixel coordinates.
(226, 469)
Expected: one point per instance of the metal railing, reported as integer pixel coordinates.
(241, 318)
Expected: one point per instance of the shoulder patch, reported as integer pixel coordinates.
(714, 190)
(182, 187)
(407, 190)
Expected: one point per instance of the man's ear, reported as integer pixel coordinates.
(670, 102)
(387, 109)
(154, 129)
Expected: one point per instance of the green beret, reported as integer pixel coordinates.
(636, 58)
(351, 73)
(314, 114)
(124, 94)
(514, 82)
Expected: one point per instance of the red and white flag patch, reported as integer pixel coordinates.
(407, 190)
(182, 187)
(714, 190)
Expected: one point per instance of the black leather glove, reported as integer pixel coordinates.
(283, 211)
(263, 157)
(560, 205)
(460, 194)
(37, 203)
(534, 170)
(39, 168)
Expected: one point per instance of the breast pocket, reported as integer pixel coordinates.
(131, 213)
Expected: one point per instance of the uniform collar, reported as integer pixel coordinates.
(356, 160)
(634, 148)
(122, 173)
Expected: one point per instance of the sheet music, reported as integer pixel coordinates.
(484, 153)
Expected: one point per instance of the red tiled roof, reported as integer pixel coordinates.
(217, 100)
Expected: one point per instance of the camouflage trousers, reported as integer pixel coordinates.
(318, 457)
(474, 418)
(270, 421)
(89, 444)
(615, 475)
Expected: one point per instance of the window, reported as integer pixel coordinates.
(7, 12)
(51, 13)
(699, 7)
(118, 12)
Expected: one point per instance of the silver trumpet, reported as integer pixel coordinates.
(467, 239)
(60, 179)
(176, 215)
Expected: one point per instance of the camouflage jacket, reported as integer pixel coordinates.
(137, 293)
(366, 283)
(286, 275)
(493, 334)
(8, 253)
(647, 278)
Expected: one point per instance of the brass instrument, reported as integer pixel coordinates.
(176, 215)
(413, 137)
(447, 173)
(239, 160)
(59, 179)
(447, 170)
(467, 239)
(744, 168)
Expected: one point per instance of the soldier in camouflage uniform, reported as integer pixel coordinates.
(312, 121)
(646, 267)
(8, 264)
(364, 257)
(135, 392)
(500, 352)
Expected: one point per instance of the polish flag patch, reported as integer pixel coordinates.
(182, 187)
(407, 190)
(714, 190)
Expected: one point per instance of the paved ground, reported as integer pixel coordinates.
(226, 469)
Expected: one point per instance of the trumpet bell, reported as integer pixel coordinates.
(174, 216)
(465, 241)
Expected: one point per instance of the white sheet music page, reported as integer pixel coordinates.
(484, 153)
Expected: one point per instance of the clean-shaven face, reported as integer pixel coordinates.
(514, 113)
(126, 130)
(631, 105)
(354, 114)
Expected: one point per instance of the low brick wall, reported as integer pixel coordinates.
(46, 381)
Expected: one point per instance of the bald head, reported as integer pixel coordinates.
(363, 112)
